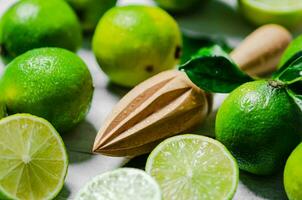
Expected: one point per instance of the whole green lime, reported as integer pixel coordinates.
(52, 83)
(30, 24)
(260, 124)
(90, 11)
(133, 43)
(178, 5)
(293, 175)
(294, 47)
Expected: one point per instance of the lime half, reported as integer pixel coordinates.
(284, 12)
(121, 184)
(33, 158)
(193, 167)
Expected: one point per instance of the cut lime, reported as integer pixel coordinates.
(121, 184)
(33, 158)
(193, 167)
(284, 12)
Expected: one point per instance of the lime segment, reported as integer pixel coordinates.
(193, 167)
(33, 158)
(121, 184)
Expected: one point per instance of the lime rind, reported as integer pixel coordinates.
(160, 150)
(64, 157)
(121, 184)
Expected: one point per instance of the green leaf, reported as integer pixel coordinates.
(291, 71)
(191, 44)
(213, 70)
(296, 97)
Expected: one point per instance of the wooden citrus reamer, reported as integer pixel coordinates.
(169, 103)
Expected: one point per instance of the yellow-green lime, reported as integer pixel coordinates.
(293, 175)
(30, 24)
(294, 47)
(33, 158)
(193, 167)
(260, 124)
(121, 184)
(133, 43)
(178, 5)
(52, 83)
(284, 12)
(90, 11)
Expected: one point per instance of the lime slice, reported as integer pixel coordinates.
(284, 12)
(193, 167)
(121, 184)
(33, 158)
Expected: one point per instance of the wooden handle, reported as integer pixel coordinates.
(260, 52)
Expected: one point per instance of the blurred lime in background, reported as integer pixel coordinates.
(30, 24)
(133, 43)
(178, 5)
(284, 12)
(90, 11)
(51, 83)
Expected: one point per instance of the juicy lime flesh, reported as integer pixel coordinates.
(277, 4)
(121, 184)
(193, 167)
(33, 158)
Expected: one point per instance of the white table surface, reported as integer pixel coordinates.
(219, 19)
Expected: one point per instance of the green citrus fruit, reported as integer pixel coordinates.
(51, 83)
(260, 124)
(293, 175)
(33, 158)
(2, 109)
(30, 24)
(193, 167)
(178, 5)
(121, 184)
(285, 12)
(133, 43)
(294, 47)
(90, 11)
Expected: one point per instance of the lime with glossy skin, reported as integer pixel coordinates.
(133, 43)
(52, 83)
(193, 167)
(90, 11)
(294, 47)
(178, 5)
(33, 158)
(260, 124)
(121, 184)
(293, 175)
(284, 12)
(30, 24)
